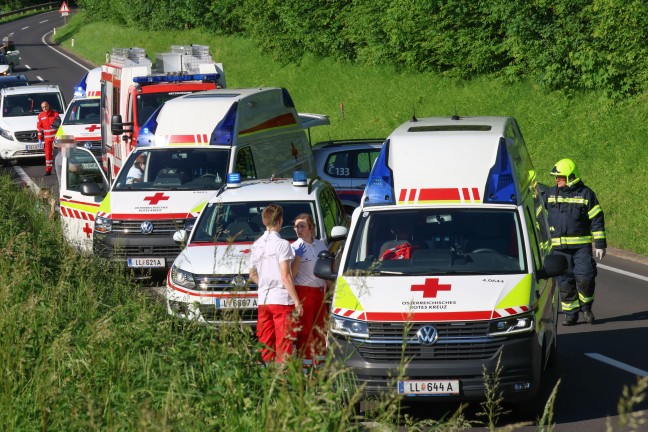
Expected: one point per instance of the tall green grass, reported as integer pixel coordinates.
(607, 140)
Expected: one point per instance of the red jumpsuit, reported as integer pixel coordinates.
(46, 133)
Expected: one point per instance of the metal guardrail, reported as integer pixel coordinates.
(50, 5)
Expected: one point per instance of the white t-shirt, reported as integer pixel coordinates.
(134, 175)
(305, 276)
(267, 252)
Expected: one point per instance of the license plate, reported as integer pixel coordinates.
(34, 147)
(429, 387)
(236, 303)
(146, 262)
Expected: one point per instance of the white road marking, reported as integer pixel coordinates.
(27, 67)
(24, 177)
(623, 272)
(617, 364)
(41, 22)
(59, 52)
(24, 28)
(39, 78)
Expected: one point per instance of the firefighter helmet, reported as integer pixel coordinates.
(567, 168)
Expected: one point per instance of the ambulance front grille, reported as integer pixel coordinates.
(137, 251)
(394, 331)
(222, 283)
(163, 227)
(26, 136)
(415, 353)
(244, 316)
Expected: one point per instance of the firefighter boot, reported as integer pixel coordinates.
(588, 316)
(570, 319)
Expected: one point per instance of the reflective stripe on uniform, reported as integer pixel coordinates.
(598, 235)
(561, 199)
(570, 306)
(595, 210)
(558, 241)
(584, 299)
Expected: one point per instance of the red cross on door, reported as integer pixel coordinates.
(87, 230)
(154, 199)
(431, 287)
(92, 128)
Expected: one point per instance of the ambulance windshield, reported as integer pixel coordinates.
(241, 222)
(83, 111)
(174, 169)
(438, 241)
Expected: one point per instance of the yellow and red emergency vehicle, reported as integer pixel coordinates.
(132, 88)
(446, 270)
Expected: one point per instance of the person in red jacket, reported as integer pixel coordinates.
(47, 125)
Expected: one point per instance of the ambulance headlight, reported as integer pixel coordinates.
(103, 225)
(6, 134)
(182, 278)
(511, 325)
(349, 327)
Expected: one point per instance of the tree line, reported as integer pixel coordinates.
(567, 45)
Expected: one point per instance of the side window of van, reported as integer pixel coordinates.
(245, 164)
(332, 212)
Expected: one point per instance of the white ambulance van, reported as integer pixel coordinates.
(447, 270)
(82, 117)
(168, 178)
(209, 281)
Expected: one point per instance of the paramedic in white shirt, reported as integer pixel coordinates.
(278, 302)
(311, 290)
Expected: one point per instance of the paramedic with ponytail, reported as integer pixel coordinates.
(311, 291)
(279, 305)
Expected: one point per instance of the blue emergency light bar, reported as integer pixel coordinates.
(223, 134)
(152, 79)
(380, 184)
(500, 184)
(146, 135)
(80, 89)
(233, 180)
(299, 178)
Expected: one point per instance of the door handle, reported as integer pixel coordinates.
(67, 196)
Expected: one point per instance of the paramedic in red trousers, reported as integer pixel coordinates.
(47, 125)
(279, 306)
(575, 220)
(311, 290)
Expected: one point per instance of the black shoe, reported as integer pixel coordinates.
(570, 320)
(588, 316)
(47, 173)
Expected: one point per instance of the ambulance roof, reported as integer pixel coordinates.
(199, 113)
(452, 160)
(269, 190)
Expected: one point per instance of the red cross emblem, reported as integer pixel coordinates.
(87, 230)
(154, 199)
(92, 128)
(431, 287)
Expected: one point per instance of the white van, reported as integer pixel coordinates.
(185, 151)
(446, 270)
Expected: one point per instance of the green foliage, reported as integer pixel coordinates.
(568, 45)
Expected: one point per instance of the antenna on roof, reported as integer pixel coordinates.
(414, 119)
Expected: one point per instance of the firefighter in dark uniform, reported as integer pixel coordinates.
(575, 220)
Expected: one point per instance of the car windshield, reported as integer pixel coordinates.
(241, 222)
(437, 241)
(168, 169)
(84, 111)
(20, 105)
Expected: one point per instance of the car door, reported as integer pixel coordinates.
(82, 187)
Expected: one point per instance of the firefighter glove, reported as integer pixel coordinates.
(600, 253)
(40, 143)
(300, 250)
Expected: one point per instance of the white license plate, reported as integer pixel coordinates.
(236, 303)
(429, 387)
(34, 147)
(146, 262)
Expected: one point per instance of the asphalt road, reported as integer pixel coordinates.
(595, 362)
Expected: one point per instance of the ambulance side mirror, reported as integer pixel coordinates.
(181, 236)
(117, 127)
(92, 189)
(338, 233)
(324, 266)
(554, 265)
